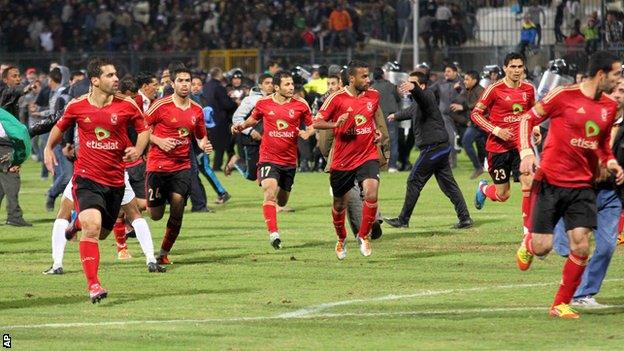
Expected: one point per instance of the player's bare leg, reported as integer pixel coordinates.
(143, 234)
(273, 196)
(92, 232)
(58, 236)
(176, 212)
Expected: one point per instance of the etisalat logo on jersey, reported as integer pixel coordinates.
(280, 132)
(359, 121)
(592, 129)
(101, 135)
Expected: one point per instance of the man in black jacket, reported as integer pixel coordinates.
(432, 140)
(223, 107)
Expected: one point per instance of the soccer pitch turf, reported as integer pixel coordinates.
(426, 287)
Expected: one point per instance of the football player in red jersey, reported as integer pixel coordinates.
(176, 122)
(581, 118)
(102, 118)
(282, 113)
(350, 112)
(505, 101)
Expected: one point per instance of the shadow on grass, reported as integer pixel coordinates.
(209, 259)
(115, 300)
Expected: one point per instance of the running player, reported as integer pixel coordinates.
(504, 101)
(102, 118)
(578, 140)
(176, 122)
(351, 113)
(282, 113)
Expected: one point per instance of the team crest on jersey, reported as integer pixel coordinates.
(369, 106)
(113, 119)
(291, 113)
(517, 108)
(101, 133)
(359, 120)
(591, 129)
(603, 114)
(281, 124)
(524, 96)
(183, 132)
(193, 120)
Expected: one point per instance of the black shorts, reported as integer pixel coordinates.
(136, 176)
(503, 165)
(285, 176)
(550, 203)
(89, 194)
(160, 185)
(342, 181)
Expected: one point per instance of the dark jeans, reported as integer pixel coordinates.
(474, 135)
(433, 160)
(393, 133)
(198, 192)
(62, 173)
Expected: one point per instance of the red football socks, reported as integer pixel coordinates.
(528, 242)
(119, 229)
(269, 210)
(526, 209)
(171, 234)
(572, 271)
(369, 212)
(621, 223)
(490, 193)
(90, 257)
(339, 223)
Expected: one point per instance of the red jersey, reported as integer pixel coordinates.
(143, 103)
(354, 140)
(505, 106)
(281, 128)
(170, 121)
(102, 136)
(578, 136)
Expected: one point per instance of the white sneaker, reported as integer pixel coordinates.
(392, 170)
(275, 241)
(587, 302)
(365, 246)
(341, 249)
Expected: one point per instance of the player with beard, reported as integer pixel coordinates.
(102, 118)
(350, 112)
(176, 121)
(581, 118)
(498, 113)
(281, 113)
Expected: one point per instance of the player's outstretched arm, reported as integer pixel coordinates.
(249, 122)
(320, 123)
(307, 133)
(48, 153)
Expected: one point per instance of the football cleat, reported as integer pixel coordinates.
(154, 267)
(341, 249)
(123, 254)
(163, 259)
(523, 258)
(564, 311)
(620, 240)
(97, 293)
(53, 271)
(223, 198)
(275, 241)
(365, 246)
(479, 195)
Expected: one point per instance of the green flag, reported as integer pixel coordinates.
(18, 134)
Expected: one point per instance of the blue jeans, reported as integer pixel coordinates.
(43, 140)
(609, 209)
(393, 133)
(62, 173)
(471, 135)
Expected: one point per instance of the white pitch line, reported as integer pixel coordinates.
(310, 312)
(265, 318)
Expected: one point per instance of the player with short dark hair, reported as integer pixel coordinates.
(102, 118)
(581, 118)
(351, 113)
(176, 120)
(281, 113)
(505, 101)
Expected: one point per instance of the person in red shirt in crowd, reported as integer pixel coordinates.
(350, 112)
(176, 122)
(581, 118)
(102, 118)
(498, 113)
(282, 113)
